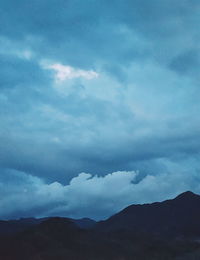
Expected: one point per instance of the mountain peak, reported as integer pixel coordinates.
(187, 195)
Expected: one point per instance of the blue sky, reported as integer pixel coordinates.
(99, 105)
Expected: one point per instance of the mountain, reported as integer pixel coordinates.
(19, 225)
(14, 226)
(176, 217)
(58, 239)
(168, 230)
(84, 223)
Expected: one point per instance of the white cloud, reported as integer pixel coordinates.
(63, 72)
(87, 195)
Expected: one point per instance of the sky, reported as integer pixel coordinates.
(99, 105)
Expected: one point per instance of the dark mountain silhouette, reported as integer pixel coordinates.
(15, 226)
(168, 230)
(58, 238)
(85, 223)
(176, 217)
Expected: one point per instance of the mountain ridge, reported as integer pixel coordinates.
(178, 216)
(167, 230)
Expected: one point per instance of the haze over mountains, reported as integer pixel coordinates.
(164, 230)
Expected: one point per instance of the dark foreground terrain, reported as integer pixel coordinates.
(166, 230)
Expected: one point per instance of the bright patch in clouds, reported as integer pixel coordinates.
(67, 72)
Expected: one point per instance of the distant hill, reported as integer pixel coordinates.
(84, 223)
(14, 226)
(168, 230)
(19, 225)
(58, 239)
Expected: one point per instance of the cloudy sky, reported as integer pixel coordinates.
(99, 105)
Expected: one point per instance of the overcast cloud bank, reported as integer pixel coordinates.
(86, 195)
(97, 87)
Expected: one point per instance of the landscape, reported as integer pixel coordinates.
(161, 230)
(99, 130)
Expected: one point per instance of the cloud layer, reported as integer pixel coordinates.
(98, 87)
(87, 195)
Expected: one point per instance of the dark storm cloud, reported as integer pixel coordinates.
(97, 87)
(79, 32)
